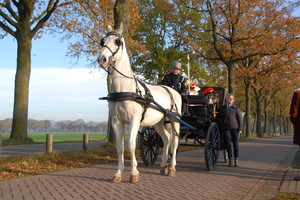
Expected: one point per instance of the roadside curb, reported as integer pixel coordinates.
(289, 185)
(278, 179)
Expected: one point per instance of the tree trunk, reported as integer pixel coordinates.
(243, 135)
(248, 110)
(274, 118)
(285, 125)
(281, 122)
(20, 113)
(110, 131)
(269, 126)
(265, 118)
(121, 14)
(231, 79)
(290, 128)
(258, 116)
(254, 125)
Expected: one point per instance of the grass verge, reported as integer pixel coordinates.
(57, 137)
(287, 196)
(16, 166)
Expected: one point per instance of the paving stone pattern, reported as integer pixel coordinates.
(258, 161)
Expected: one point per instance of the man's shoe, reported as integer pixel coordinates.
(230, 163)
(297, 178)
(236, 162)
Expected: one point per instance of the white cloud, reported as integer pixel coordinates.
(58, 94)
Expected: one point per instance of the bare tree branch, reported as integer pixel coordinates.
(7, 29)
(10, 10)
(8, 19)
(52, 6)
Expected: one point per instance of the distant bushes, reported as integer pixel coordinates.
(57, 126)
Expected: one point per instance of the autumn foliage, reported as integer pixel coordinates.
(84, 23)
(249, 47)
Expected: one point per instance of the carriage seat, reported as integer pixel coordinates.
(202, 107)
(197, 99)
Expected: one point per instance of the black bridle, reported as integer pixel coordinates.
(118, 42)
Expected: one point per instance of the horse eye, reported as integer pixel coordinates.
(118, 42)
(102, 42)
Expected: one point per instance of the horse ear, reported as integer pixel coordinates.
(109, 29)
(120, 29)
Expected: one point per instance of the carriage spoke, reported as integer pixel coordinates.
(212, 146)
(149, 145)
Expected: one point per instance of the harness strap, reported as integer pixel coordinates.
(144, 100)
(148, 98)
(173, 104)
(123, 96)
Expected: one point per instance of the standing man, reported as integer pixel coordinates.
(295, 116)
(175, 80)
(230, 116)
(295, 119)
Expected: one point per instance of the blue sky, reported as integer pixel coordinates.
(59, 89)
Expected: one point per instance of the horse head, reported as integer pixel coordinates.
(112, 46)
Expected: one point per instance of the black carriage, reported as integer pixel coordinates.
(200, 123)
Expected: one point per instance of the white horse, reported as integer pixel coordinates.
(126, 111)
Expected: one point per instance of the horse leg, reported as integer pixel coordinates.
(174, 146)
(134, 175)
(161, 130)
(119, 130)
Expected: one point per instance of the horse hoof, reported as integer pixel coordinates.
(164, 170)
(116, 179)
(172, 173)
(134, 178)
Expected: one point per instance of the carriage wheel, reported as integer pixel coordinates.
(149, 145)
(212, 146)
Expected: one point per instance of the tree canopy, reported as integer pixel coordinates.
(250, 47)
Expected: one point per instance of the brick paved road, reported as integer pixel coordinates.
(259, 159)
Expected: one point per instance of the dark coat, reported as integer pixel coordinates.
(179, 85)
(295, 116)
(231, 117)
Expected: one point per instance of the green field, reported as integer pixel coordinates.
(61, 137)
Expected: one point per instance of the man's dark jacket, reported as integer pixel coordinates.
(177, 82)
(231, 117)
(295, 115)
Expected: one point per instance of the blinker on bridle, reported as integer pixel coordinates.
(118, 42)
